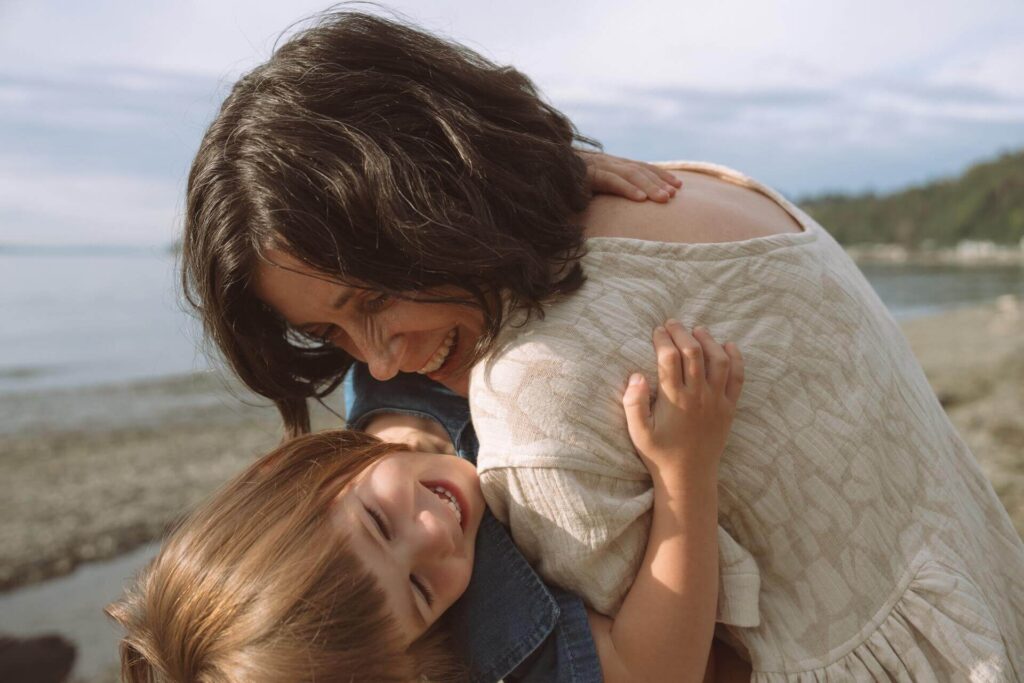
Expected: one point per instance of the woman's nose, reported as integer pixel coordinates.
(384, 358)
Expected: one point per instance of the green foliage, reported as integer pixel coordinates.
(985, 203)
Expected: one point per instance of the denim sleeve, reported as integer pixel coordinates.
(568, 654)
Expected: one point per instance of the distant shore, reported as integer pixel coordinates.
(966, 253)
(92, 473)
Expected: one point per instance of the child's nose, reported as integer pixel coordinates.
(436, 540)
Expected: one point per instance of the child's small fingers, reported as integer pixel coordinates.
(636, 401)
(670, 364)
(657, 183)
(667, 176)
(734, 385)
(690, 350)
(716, 359)
(613, 183)
(645, 179)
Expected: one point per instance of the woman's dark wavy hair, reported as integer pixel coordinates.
(382, 156)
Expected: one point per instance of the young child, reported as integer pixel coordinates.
(335, 557)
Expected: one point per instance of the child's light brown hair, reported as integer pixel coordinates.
(257, 585)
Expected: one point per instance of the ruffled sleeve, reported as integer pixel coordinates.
(937, 628)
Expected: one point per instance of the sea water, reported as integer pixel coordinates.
(77, 318)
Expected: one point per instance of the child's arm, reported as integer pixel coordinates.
(664, 629)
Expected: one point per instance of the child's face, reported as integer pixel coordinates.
(411, 536)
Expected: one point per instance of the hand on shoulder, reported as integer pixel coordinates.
(706, 209)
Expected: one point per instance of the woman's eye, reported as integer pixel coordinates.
(377, 303)
(428, 596)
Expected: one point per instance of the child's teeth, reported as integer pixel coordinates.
(450, 500)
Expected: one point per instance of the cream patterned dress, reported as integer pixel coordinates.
(859, 541)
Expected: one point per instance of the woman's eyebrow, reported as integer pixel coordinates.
(339, 303)
(342, 299)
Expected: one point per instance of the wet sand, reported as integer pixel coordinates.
(92, 473)
(974, 359)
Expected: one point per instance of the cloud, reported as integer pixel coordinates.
(103, 104)
(996, 68)
(805, 112)
(97, 156)
(103, 98)
(44, 204)
(860, 135)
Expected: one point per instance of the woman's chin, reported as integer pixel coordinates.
(459, 384)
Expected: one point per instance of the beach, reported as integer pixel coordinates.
(974, 360)
(95, 472)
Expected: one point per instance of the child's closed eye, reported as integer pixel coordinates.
(379, 520)
(427, 594)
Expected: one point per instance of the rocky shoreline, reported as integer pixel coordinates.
(95, 472)
(974, 360)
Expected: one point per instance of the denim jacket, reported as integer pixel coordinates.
(508, 624)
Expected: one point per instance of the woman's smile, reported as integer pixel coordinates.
(391, 334)
(440, 355)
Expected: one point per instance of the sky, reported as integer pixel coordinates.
(103, 103)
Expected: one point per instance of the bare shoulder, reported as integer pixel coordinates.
(706, 209)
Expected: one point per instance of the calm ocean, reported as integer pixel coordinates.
(79, 318)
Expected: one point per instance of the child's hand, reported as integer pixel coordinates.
(627, 178)
(699, 383)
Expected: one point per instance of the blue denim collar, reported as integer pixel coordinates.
(507, 612)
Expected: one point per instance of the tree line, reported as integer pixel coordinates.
(986, 202)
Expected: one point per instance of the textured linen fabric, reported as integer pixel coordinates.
(855, 525)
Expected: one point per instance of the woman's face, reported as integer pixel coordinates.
(390, 335)
(413, 519)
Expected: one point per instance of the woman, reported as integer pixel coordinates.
(374, 193)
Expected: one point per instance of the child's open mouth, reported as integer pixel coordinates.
(452, 498)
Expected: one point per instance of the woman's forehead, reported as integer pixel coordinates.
(298, 292)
